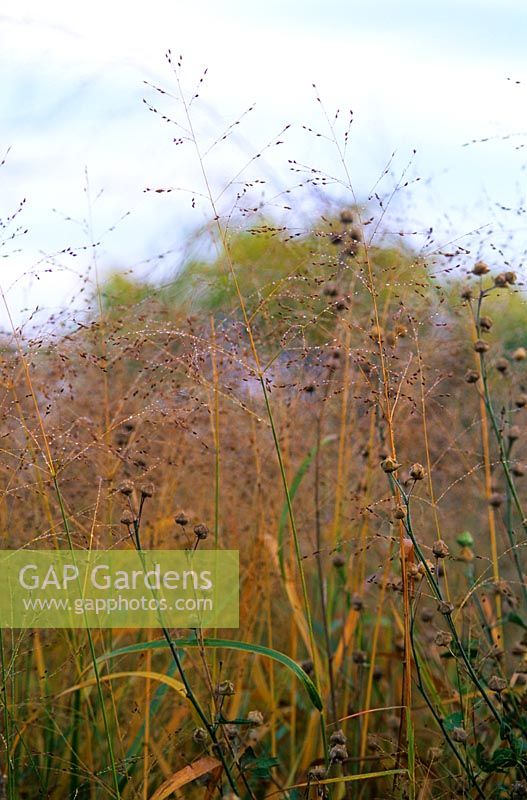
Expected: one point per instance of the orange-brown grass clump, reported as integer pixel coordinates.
(350, 416)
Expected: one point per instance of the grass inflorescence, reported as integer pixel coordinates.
(345, 406)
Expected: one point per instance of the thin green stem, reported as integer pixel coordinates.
(261, 378)
(420, 685)
(182, 674)
(439, 596)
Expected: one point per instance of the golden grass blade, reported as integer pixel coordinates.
(184, 776)
(364, 776)
(156, 676)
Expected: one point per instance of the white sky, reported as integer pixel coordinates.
(72, 89)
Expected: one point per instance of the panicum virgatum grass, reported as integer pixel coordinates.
(344, 405)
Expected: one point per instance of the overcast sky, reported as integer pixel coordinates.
(426, 78)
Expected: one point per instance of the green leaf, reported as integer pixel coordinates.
(503, 759)
(227, 644)
(258, 767)
(465, 539)
(454, 720)
(500, 761)
(516, 619)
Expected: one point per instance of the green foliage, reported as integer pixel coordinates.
(228, 644)
(454, 720)
(294, 286)
(258, 768)
(123, 290)
(509, 314)
(501, 760)
(465, 539)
